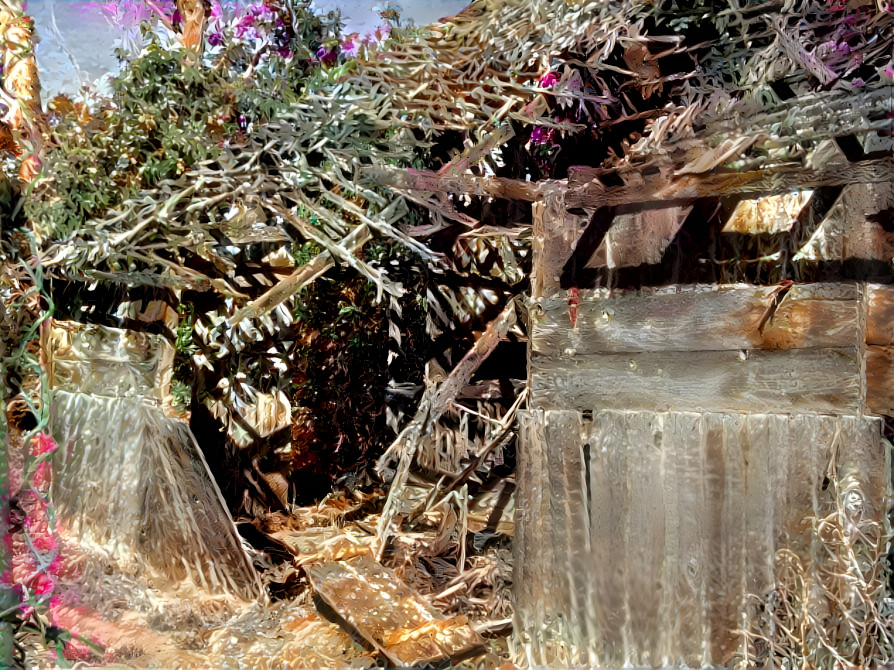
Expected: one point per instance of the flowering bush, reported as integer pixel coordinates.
(32, 542)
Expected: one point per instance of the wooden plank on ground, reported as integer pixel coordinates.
(880, 314)
(810, 380)
(390, 615)
(695, 318)
(880, 379)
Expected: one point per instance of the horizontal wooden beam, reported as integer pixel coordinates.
(662, 186)
(666, 186)
(698, 318)
(782, 381)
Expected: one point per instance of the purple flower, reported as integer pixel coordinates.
(215, 39)
(261, 11)
(216, 11)
(549, 79)
(175, 17)
(285, 52)
(843, 47)
(245, 27)
(542, 135)
(328, 55)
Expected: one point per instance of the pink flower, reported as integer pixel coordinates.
(542, 135)
(350, 46)
(216, 10)
(44, 584)
(889, 72)
(549, 80)
(42, 475)
(379, 35)
(42, 444)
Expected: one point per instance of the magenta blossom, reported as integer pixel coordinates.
(261, 11)
(215, 39)
(542, 135)
(328, 55)
(245, 27)
(351, 46)
(549, 80)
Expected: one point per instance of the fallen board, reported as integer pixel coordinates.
(390, 615)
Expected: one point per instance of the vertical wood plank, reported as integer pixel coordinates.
(880, 379)
(608, 522)
(645, 533)
(692, 518)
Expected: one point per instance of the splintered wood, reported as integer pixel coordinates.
(389, 614)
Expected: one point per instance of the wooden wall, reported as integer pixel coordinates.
(682, 443)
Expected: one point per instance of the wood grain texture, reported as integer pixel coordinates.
(880, 379)
(850, 230)
(699, 318)
(555, 234)
(669, 186)
(880, 314)
(769, 215)
(798, 380)
(683, 516)
(390, 615)
(639, 238)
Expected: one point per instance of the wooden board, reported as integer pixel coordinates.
(808, 380)
(87, 358)
(556, 232)
(769, 215)
(850, 231)
(880, 314)
(880, 379)
(639, 238)
(389, 614)
(648, 536)
(694, 318)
